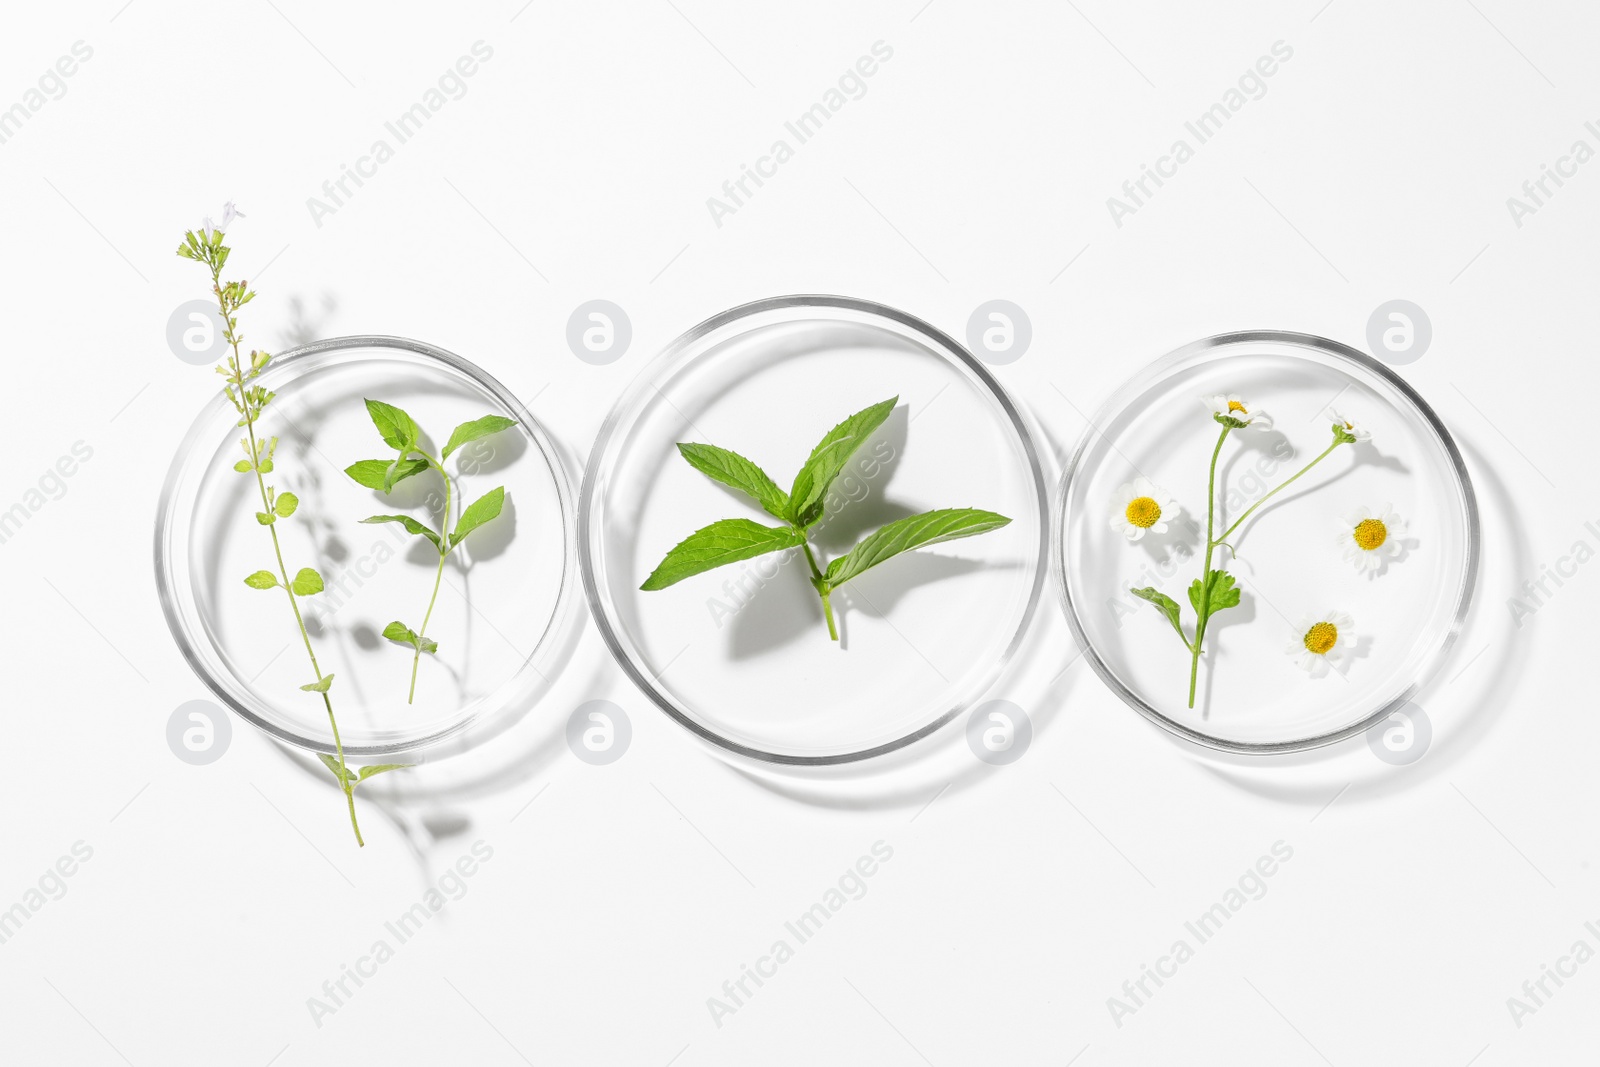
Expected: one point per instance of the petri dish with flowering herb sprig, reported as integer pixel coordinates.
(1266, 542)
(507, 603)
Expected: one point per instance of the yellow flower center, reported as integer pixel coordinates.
(1234, 405)
(1321, 637)
(1143, 512)
(1371, 533)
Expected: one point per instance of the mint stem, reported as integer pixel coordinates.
(438, 576)
(820, 584)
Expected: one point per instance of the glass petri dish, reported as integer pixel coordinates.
(741, 655)
(1252, 696)
(508, 598)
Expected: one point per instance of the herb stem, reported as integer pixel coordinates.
(1201, 608)
(1337, 441)
(820, 584)
(249, 414)
(438, 576)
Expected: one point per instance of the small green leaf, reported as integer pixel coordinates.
(411, 525)
(243, 466)
(471, 431)
(340, 774)
(915, 531)
(828, 459)
(266, 518)
(368, 772)
(727, 541)
(371, 472)
(307, 582)
(736, 472)
(399, 430)
(1221, 594)
(400, 634)
(286, 504)
(478, 512)
(320, 685)
(1166, 605)
(262, 580)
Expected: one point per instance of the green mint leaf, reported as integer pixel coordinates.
(286, 504)
(320, 685)
(1165, 604)
(471, 431)
(427, 644)
(266, 518)
(412, 526)
(400, 634)
(399, 430)
(829, 458)
(262, 580)
(243, 466)
(307, 582)
(368, 772)
(391, 473)
(736, 472)
(477, 513)
(915, 531)
(371, 472)
(727, 541)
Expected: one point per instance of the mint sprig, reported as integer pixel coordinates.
(402, 433)
(800, 509)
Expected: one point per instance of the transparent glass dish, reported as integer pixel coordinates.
(1252, 696)
(741, 655)
(508, 601)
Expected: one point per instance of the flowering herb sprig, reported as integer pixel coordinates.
(800, 509)
(401, 433)
(249, 399)
(1215, 590)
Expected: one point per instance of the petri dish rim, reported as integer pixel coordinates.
(672, 358)
(167, 569)
(1153, 372)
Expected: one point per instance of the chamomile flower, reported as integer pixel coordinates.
(1370, 536)
(1140, 507)
(1320, 641)
(1354, 430)
(1231, 410)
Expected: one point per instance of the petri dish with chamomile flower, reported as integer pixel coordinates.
(1266, 542)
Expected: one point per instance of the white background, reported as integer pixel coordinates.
(978, 164)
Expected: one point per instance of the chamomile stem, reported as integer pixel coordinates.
(1201, 614)
(1289, 481)
(820, 583)
(438, 576)
(283, 570)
